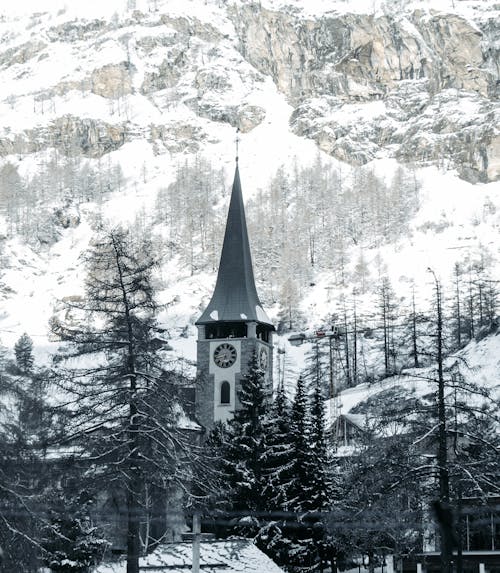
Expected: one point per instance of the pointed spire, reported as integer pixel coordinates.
(235, 297)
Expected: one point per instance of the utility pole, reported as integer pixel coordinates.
(196, 542)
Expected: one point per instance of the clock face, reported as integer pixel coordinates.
(263, 358)
(225, 355)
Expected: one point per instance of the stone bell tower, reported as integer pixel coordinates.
(233, 326)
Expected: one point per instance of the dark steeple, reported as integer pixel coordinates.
(235, 297)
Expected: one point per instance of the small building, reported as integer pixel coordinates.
(230, 556)
(479, 543)
(348, 429)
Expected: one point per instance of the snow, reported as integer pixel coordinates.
(234, 556)
(478, 362)
(318, 8)
(38, 280)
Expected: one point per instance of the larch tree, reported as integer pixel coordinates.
(122, 414)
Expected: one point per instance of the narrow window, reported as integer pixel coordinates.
(225, 393)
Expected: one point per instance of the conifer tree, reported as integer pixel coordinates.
(302, 551)
(273, 537)
(70, 541)
(300, 448)
(246, 446)
(319, 480)
(24, 353)
(278, 462)
(123, 413)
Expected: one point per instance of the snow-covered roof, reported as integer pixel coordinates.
(230, 556)
(358, 420)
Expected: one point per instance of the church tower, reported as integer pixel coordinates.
(233, 326)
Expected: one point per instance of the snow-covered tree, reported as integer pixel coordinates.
(246, 447)
(122, 411)
(70, 541)
(23, 350)
(320, 480)
(277, 462)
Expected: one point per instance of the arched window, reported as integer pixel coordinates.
(225, 393)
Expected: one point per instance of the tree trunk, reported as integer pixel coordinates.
(442, 456)
(414, 333)
(133, 522)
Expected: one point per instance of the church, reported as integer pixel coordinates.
(233, 326)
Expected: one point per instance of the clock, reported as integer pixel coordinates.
(225, 355)
(263, 358)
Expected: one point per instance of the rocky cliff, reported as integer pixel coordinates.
(405, 81)
(422, 86)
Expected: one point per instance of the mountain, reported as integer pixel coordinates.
(102, 104)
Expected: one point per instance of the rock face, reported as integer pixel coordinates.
(415, 84)
(70, 135)
(421, 87)
(112, 81)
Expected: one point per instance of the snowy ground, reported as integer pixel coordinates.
(468, 216)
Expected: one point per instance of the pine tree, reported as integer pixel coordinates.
(24, 353)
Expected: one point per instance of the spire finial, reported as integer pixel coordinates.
(237, 141)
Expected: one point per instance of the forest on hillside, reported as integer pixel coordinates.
(99, 432)
(95, 449)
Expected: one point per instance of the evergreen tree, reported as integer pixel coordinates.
(320, 482)
(26, 427)
(273, 537)
(24, 353)
(300, 449)
(246, 447)
(70, 542)
(278, 462)
(303, 549)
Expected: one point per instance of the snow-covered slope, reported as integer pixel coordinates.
(144, 84)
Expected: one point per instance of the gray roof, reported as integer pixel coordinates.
(235, 297)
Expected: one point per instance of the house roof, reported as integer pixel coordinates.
(235, 297)
(228, 556)
(358, 420)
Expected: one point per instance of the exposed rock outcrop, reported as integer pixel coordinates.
(426, 68)
(70, 135)
(21, 54)
(178, 137)
(420, 86)
(112, 81)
